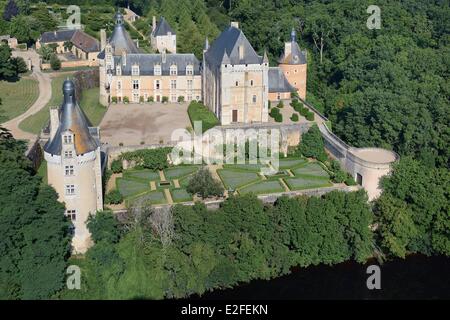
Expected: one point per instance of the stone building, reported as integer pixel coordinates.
(74, 165)
(293, 63)
(10, 41)
(125, 73)
(82, 45)
(235, 79)
(162, 36)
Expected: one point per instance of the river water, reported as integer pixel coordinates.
(416, 277)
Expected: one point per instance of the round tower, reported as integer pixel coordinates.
(73, 165)
(294, 65)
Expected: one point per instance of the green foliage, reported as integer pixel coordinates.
(21, 65)
(280, 104)
(203, 184)
(8, 69)
(45, 52)
(116, 166)
(312, 144)
(165, 99)
(55, 63)
(104, 227)
(34, 233)
(150, 99)
(126, 99)
(113, 197)
(154, 159)
(274, 112)
(294, 117)
(199, 112)
(421, 197)
(114, 99)
(310, 116)
(180, 99)
(279, 117)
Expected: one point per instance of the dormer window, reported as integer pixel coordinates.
(173, 70)
(189, 70)
(118, 71)
(135, 70)
(241, 52)
(157, 70)
(67, 138)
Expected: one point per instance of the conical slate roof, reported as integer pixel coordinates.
(297, 56)
(163, 28)
(120, 39)
(73, 119)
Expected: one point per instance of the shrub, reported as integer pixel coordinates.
(304, 111)
(310, 116)
(126, 100)
(55, 63)
(165, 99)
(274, 112)
(116, 166)
(114, 99)
(141, 99)
(203, 184)
(150, 99)
(113, 197)
(21, 65)
(294, 94)
(312, 144)
(279, 117)
(154, 159)
(294, 117)
(350, 181)
(181, 99)
(280, 104)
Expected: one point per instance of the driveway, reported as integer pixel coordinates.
(45, 93)
(134, 124)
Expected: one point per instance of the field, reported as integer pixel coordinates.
(89, 103)
(17, 97)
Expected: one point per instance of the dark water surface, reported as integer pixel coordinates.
(416, 277)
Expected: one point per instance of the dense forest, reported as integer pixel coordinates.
(386, 87)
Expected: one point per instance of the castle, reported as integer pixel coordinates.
(233, 81)
(74, 165)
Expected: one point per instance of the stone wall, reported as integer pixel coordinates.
(71, 64)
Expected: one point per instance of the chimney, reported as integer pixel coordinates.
(54, 121)
(235, 24)
(287, 48)
(163, 56)
(102, 39)
(124, 58)
(153, 24)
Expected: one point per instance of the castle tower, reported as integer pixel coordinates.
(293, 63)
(74, 165)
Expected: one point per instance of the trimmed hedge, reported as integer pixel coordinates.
(294, 117)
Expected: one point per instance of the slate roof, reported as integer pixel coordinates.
(57, 36)
(147, 61)
(120, 39)
(297, 56)
(278, 81)
(79, 39)
(162, 28)
(72, 118)
(225, 49)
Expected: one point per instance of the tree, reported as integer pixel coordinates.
(312, 144)
(203, 184)
(34, 232)
(45, 52)
(20, 28)
(7, 66)
(104, 227)
(55, 63)
(21, 65)
(11, 10)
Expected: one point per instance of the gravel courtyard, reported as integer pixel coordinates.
(132, 124)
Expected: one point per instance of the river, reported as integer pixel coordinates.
(416, 277)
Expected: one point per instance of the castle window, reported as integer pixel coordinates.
(189, 84)
(135, 97)
(295, 70)
(254, 98)
(251, 83)
(135, 84)
(237, 83)
(173, 98)
(157, 70)
(173, 70)
(157, 85)
(189, 70)
(189, 97)
(67, 139)
(119, 85)
(68, 154)
(71, 214)
(118, 70)
(70, 189)
(68, 170)
(135, 70)
(173, 84)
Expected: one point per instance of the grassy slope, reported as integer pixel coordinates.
(198, 112)
(17, 97)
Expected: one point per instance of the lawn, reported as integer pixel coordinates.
(233, 179)
(17, 97)
(198, 112)
(180, 195)
(153, 197)
(291, 163)
(263, 187)
(129, 187)
(245, 166)
(89, 103)
(299, 183)
(143, 174)
(179, 172)
(311, 169)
